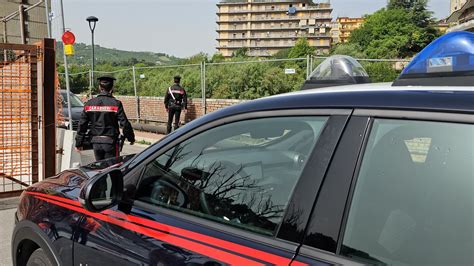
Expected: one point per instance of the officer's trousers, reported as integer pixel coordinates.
(105, 150)
(176, 112)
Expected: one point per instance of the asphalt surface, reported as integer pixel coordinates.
(6, 229)
(8, 207)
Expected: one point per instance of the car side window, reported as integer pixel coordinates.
(413, 200)
(241, 174)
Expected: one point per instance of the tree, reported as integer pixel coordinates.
(217, 58)
(349, 49)
(241, 52)
(381, 71)
(391, 33)
(282, 54)
(301, 49)
(404, 4)
(197, 59)
(420, 14)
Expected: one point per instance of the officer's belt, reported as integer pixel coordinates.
(103, 139)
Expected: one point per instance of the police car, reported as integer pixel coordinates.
(364, 174)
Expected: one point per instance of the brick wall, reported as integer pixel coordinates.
(153, 109)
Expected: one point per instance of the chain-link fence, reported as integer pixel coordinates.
(254, 79)
(141, 88)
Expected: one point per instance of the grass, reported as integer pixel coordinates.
(143, 142)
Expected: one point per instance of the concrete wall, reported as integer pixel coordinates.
(153, 109)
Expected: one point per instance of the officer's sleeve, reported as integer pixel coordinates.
(82, 129)
(167, 98)
(185, 99)
(125, 124)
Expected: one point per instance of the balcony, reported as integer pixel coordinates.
(274, 28)
(288, 18)
(232, 30)
(281, 36)
(259, 46)
(268, 9)
(285, 9)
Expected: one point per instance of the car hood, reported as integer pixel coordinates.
(68, 183)
(94, 168)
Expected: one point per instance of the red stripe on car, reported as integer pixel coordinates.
(244, 250)
(174, 240)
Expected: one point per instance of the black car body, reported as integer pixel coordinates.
(348, 175)
(368, 174)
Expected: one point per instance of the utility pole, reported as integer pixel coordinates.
(21, 11)
(48, 21)
(66, 70)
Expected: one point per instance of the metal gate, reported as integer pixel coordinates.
(18, 117)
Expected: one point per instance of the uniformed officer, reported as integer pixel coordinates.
(175, 100)
(103, 115)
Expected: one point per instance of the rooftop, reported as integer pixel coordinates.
(367, 96)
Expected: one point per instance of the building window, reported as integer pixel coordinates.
(273, 7)
(234, 35)
(243, 35)
(304, 5)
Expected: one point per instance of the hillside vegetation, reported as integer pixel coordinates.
(83, 54)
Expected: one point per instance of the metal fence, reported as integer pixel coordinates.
(242, 80)
(18, 118)
(24, 23)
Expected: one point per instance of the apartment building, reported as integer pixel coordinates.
(34, 16)
(343, 27)
(456, 5)
(265, 27)
(462, 16)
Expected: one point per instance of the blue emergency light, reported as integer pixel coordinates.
(451, 55)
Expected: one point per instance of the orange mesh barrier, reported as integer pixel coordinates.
(18, 119)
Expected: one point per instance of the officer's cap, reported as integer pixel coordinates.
(106, 77)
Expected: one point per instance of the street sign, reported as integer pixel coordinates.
(290, 71)
(68, 39)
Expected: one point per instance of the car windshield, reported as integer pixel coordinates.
(75, 101)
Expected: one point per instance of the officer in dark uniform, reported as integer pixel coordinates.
(175, 100)
(103, 115)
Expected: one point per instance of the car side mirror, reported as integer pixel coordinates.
(193, 174)
(102, 191)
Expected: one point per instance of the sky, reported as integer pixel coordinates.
(176, 27)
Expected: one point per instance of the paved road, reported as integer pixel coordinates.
(88, 156)
(8, 207)
(6, 230)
